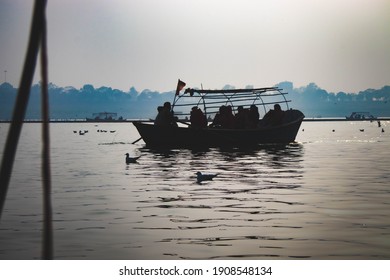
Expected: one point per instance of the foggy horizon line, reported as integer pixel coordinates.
(226, 86)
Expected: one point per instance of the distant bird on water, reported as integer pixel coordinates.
(204, 177)
(131, 159)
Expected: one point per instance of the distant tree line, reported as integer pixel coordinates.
(69, 102)
(316, 102)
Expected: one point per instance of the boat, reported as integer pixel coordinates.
(360, 116)
(104, 117)
(185, 134)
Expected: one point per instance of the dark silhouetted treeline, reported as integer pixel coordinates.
(72, 103)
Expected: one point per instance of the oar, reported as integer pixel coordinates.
(136, 140)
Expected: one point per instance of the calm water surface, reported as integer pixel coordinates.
(325, 197)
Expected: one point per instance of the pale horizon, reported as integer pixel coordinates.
(146, 44)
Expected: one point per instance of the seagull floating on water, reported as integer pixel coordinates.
(204, 177)
(131, 159)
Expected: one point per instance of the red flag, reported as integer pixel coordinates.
(180, 86)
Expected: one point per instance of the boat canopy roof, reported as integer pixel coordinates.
(227, 91)
(211, 100)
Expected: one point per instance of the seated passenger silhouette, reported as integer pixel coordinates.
(224, 118)
(241, 118)
(159, 118)
(275, 116)
(165, 116)
(197, 118)
(253, 117)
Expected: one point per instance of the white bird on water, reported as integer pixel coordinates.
(131, 159)
(204, 177)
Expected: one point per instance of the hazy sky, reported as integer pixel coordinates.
(341, 45)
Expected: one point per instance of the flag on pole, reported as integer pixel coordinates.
(180, 86)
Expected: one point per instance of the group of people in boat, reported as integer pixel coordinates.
(245, 118)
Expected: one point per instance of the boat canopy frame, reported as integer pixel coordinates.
(212, 100)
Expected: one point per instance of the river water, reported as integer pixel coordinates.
(327, 196)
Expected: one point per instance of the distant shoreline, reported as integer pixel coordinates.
(148, 120)
(344, 119)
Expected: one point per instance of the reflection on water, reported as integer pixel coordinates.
(247, 201)
(322, 198)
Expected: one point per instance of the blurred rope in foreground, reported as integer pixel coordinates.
(37, 39)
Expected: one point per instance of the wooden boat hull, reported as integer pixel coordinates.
(174, 137)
